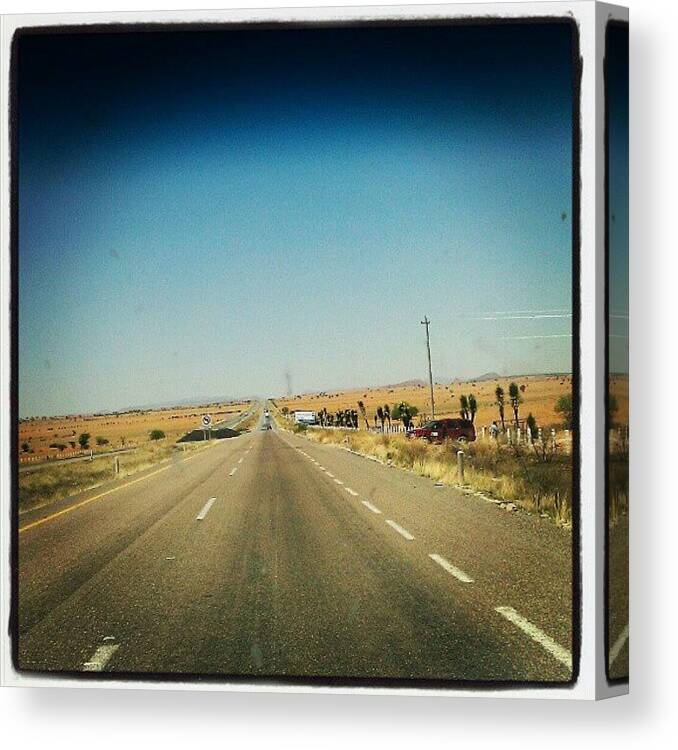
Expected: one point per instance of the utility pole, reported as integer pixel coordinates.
(426, 322)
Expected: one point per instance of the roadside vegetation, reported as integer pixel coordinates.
(509, 473)
(57, 480)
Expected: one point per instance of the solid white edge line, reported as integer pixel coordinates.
(451, 569)
(233, 470)
(100, 658)
(242, 458)
(403, 532)
(371, 507)
(329, 474)
(338, 481)
(618, 645)
(537, 635)
(351, 492)
(205, 510)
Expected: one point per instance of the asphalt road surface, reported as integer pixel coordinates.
(270, 555)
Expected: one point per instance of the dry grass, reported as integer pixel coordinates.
(500, 471)
(539, 397)
(120, 429)
(57, 480)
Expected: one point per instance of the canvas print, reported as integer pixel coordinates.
(617, 428)
(297, 365)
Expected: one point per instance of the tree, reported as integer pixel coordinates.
(514, 395)
(565, 409)
(404, 412)
(463, 404)
(285, 411)
(473, 407)
(532, 427)
(499, 393)
(156, 434)
(101, 440)
(382, 416)
(387, 414)
(363, 411)
(84, 440)
(25, 447)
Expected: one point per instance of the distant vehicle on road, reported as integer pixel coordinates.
(305, 417)
(439, 430)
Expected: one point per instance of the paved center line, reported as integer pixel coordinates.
(537, 635)
(371, 507)
(100, 658)
(338, 481)
(206, 509)
(329, 474)
(351, 492)
(403, 532)
(233, 470)
(451, 569)
(618, 645)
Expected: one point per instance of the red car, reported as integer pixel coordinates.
(461, 430)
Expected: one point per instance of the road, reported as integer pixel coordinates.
(270, 555)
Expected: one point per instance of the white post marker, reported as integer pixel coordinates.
(460, 466)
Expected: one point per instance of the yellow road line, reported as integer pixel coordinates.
(89, 500)
(97, 497)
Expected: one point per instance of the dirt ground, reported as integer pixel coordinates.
(539, 396)
(120, 429)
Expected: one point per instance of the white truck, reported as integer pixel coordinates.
(305, 417)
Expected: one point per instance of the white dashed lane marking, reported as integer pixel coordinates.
(206, 509)
(233, 470)
(338, 481)
(451, 569)
(351, 492)
(537, 635)
(403, 532)
(618, 645)
(371, 507)
(100, 658)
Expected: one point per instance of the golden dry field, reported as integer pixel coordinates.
(120, 429)
(619, 389)
(539, 397)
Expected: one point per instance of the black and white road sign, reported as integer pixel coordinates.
(206, 420)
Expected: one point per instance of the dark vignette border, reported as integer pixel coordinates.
(423, 683)
(611, 24)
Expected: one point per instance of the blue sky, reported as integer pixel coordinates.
(617, 54)
(201, 212)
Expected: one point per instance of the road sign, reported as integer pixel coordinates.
(206, 420)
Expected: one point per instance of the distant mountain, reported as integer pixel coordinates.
(486, 376)
(414, 383)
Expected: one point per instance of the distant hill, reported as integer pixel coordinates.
(486, 376)
(414, 383)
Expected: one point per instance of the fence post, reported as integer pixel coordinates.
(116, 465)
(482, 432)
(518, 436)
(529, 434)
(460, 466)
